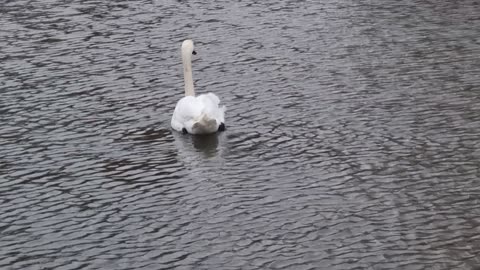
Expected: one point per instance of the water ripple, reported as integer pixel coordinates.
(351, 142)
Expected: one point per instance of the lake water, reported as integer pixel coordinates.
(352, 135)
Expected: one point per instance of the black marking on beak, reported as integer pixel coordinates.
(194, 53)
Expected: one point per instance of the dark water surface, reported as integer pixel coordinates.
(352, 135)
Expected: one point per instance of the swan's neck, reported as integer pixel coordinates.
(187, 73)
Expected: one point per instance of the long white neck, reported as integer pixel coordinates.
(187, 73)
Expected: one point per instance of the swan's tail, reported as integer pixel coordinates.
(205, 118)
(205, 124)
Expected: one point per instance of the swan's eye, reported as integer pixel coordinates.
(194, 52)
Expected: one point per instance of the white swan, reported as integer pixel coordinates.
(196, 115)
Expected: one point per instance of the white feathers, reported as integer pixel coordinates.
(198, 115)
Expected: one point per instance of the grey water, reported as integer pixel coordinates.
(352, 136)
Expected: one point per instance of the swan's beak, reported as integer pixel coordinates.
(194, 53)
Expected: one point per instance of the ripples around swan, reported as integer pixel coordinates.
(352, 135)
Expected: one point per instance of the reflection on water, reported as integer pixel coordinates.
(352, 138)
(206, 144)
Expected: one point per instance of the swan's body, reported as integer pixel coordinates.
(196, 115)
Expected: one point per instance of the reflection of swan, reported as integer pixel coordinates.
(194, 149)
(196, 115)
(207, 144)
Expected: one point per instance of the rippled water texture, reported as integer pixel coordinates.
(352, 135)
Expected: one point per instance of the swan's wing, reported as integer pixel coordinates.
(186, 111)
(176, 123)
(210, 98)
(211, 107)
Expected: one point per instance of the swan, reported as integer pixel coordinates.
(196, 115)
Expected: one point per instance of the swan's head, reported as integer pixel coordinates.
(188, 48)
